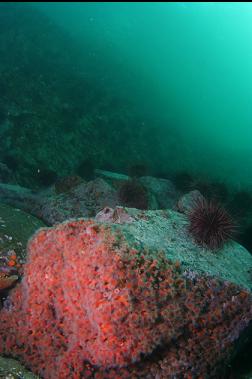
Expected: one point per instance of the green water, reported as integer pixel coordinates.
(186, 65)
(164, 84)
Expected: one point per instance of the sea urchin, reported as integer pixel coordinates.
(133, 194)
(210, 224)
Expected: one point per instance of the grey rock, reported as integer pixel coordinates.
(162, 192)
(186, 202)
(167, 231)
(85, 200)
(19, 197)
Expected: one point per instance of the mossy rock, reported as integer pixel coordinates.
(12, 369)
(16, 227)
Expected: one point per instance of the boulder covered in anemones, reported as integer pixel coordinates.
(133, 297)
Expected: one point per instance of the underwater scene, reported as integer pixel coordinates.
(125, 190)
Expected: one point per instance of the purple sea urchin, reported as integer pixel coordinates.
(210, 224)
(133, 194)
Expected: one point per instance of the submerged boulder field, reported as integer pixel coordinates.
(71, 198)
(127, 295)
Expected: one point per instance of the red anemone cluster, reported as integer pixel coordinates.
(89, 306)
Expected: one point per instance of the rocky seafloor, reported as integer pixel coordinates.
(154, 303)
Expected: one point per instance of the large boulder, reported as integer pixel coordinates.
(82, 200)
(131, 296)
(71, 198)
(85, 200)
(188, 201)
(162, 192)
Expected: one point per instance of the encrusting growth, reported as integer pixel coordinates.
(89, 306)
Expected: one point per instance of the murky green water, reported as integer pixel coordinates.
(186, 67)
